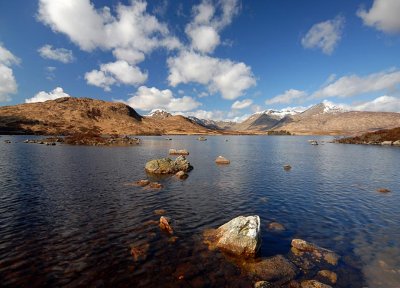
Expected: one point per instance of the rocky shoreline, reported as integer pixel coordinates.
(390, 137)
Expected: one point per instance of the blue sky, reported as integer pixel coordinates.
(221, 59)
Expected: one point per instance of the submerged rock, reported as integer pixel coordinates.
(178, 152)
(165, 226)
(181, 175)
(331, 276)
(313, 284)
(142, 183)
(383, 190)
(275, 226)
(263, 284)
(222, 160)
(276, 268)
(139, 252)
(155, 185)
(300, 247)
(240, 236)
(202, 138)
(168, 166)
(160, 211)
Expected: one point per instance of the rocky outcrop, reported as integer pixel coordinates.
(168, 166)
(222, 160)
(303, 248)
(396, 143)
(386, 143)
(240, 236)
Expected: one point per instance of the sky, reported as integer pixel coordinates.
(213, 59)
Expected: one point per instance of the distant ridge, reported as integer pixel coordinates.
(71, 115)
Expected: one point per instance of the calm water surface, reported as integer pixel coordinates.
(68, 217)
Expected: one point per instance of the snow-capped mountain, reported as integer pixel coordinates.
(159, 113)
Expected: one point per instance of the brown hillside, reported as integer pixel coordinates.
(345, 123)
(70, 115)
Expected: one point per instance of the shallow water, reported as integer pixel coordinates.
(68, 217)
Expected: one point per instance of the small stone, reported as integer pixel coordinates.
(313, 284)
(172, 239)
(275, 226)
(165, 226)
(262, 284)
(160, 212)
(181, 175)
(287, 167)
(331, 276)
(142, 183)
(383, 190)
(155, 185)
(222, 160)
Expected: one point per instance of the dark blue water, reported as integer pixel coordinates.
(68, 217)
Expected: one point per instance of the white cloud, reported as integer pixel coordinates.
(58, 54)
(229, 78)
(44, 96)
(324, 35)
(383, 15)
(380, 104)
(352, 85)
(204, 38)
(115, 73)
(242, 104)
(8, 84)
(206, 24)
(288, 97)
(152, 98)
(90, 28)
(130, 33)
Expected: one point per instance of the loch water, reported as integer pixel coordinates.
(69, 216)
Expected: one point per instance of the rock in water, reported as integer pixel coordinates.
(300, 246)
(165, 226)
(383, 190)
(314, 284)
(181, 175)
(276, 268)
(168, 166)
(331, 276)
(240, 236)
(222, 160)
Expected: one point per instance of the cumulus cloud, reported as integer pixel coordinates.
(59, 54)
(352, 85)
(380, 104)
(324, 35)
(8, 84)
(208, 20)
(225, 76)
(288, 97)
(130, 33)
(44, 96)
(115, 72)
(152, 98)
(383, 15)
(242, 104)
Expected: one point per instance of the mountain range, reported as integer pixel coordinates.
(71, 115)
